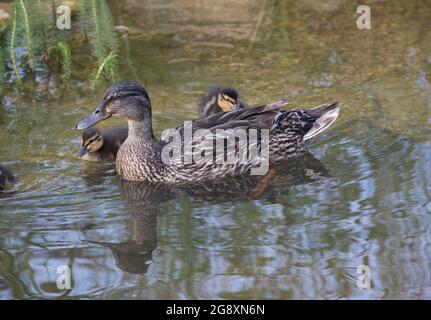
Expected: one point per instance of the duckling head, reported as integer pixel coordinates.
(127, 99)
(220, 99)
(6, 178)
(91, 141)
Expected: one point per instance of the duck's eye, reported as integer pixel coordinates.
(113, 97)
(109, 99)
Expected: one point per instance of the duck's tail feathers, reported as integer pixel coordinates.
(325, 114)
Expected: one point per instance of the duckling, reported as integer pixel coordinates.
(101, 146)
(220, 99)
(6, 178)
(143, 158)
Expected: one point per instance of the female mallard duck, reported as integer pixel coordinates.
(101, 145)
(219, 99)
(6, 178)
(143, 158)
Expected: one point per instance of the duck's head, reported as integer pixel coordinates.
(220, 99)
(91, 141)
(6, 178)
(125, 99)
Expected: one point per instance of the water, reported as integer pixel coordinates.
(362, 197)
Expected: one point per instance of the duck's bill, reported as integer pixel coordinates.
(82, 152)
(92, 119)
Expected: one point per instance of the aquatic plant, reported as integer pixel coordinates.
(66, 58)
(12, 45)
(107, 65)
(21, 10)
(2, 54)
(34, 43)
(32, 33)
(2, 63)
(96, 22)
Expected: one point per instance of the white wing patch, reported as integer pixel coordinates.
(323, 123)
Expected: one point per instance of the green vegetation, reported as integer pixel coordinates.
(2, 63)
(11, 46)
(2, 55)
(96, 23)
(66, 58)
(32, 43)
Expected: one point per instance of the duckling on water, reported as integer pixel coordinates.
(140, 156)
(220, 99)
(101, 145)
(6, 178)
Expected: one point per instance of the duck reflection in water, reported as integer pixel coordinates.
(135, 255)
(145, 199)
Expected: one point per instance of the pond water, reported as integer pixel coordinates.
(361, 197)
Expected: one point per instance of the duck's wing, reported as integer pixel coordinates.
(259, 117)
(255, 117)
(224, 127)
